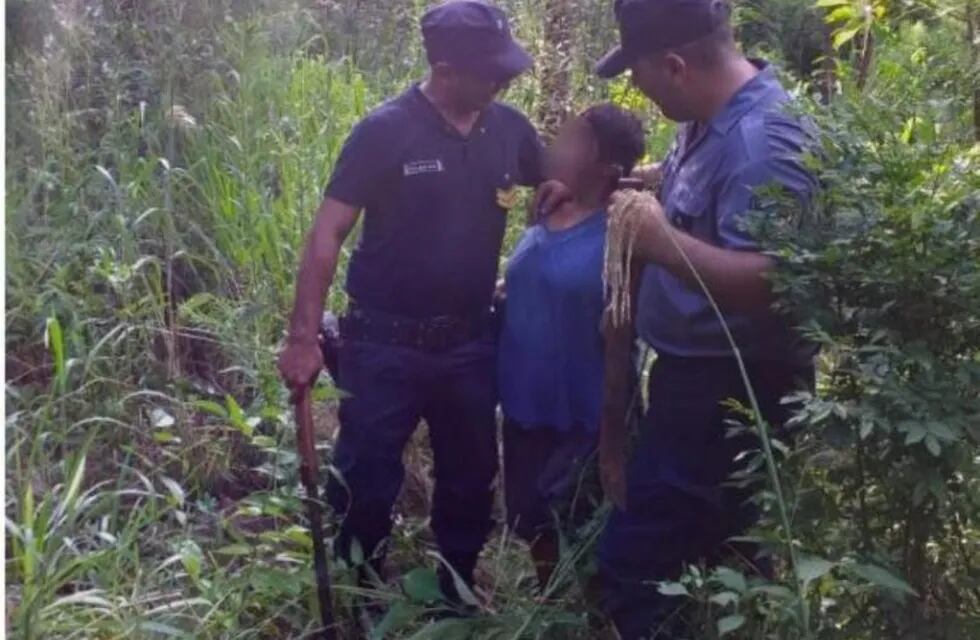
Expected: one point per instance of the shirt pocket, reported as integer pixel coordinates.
(504, 184)
(687, 209)
(424, 182)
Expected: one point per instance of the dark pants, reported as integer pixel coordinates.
(548, 474)
(390, 389)
(679, 506)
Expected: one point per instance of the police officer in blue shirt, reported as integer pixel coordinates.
(430, 169)
(736, 135)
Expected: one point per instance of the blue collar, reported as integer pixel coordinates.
(421, 105)
(746, 97)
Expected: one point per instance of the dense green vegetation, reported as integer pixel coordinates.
(164, 160)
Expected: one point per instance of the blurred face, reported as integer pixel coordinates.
(665, 78)
(573, 158)
(471, 92)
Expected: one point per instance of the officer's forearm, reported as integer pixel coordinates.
(316, 271)
(317, 267)
(736, 279)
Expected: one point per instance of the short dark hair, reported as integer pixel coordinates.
(709, 51)
(619, 134)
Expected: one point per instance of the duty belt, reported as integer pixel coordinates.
(439, 333)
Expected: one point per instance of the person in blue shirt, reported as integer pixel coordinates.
(737, 134)
(427, 169)
(551, 353)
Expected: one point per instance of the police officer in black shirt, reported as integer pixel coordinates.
(431, 169)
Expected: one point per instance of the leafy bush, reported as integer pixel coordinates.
(164, 160)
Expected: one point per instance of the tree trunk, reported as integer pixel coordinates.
(828, 80)
(866, 58)
(555, 67)
(972, 35)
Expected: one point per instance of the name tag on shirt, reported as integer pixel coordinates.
(418, 167)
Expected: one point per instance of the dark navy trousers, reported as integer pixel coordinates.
(390, 389)
(679, 506)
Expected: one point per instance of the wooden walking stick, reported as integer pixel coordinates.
(308, 472)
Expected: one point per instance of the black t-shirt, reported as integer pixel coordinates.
(433, 227)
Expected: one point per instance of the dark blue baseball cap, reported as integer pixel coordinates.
(647, 26)
(474, 36)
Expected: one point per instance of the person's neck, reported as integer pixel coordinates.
(461, 119)
(723, 83)
(571, 212)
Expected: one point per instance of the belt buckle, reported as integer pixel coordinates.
(437, 332)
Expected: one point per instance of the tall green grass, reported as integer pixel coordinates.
(155, 215)
(148, 276)
(150, 267)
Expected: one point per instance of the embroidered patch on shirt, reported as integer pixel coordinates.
(508, 198)
(417, 167)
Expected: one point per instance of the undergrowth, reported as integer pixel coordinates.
(164, 161)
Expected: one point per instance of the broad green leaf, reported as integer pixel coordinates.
(730, 623)
(264, 442)
(397, 615)
(774, 591)
(844, 36)
(299, 535)
(164, 437)
(672, 589)
(422, 585)
(237, 417)
(841, 14)
(828, 4)
(881, 577)
(811, 568)
(867, 426)
(907, 130)
(211, 407)
(941, 430)
(731, 579)
(933, 445)
(191, 557)
(724, 598)
(914, 432)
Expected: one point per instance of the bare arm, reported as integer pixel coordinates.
(736, 279)
(300, 360)
(333, 223)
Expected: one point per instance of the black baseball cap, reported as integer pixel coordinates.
(475, 36)
(646, 26)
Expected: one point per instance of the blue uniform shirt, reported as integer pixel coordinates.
(707, 191)
(433, 228)
(550, 365)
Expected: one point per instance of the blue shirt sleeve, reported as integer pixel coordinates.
(361, 164)
(744, 192)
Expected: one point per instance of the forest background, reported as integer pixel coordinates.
(164, 159)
